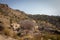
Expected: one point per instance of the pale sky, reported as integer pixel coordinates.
(47, 7)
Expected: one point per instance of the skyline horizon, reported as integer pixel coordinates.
(35, 7)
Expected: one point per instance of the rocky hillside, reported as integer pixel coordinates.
(17, 25)
(9, 16)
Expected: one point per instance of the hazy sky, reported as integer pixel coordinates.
(48, 7)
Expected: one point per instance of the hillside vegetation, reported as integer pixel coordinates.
(17, 25)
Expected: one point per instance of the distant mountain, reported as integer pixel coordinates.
(55, 20)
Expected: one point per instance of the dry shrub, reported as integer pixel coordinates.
(9, 32)
(27, 24)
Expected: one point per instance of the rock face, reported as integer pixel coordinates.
(15, 26)
(5, 6)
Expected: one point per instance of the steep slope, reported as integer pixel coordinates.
(9, 16)
(17, 25)
(6, 11)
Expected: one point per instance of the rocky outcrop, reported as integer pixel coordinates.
(3, 6)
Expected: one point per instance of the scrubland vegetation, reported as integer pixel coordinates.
(20, 26)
